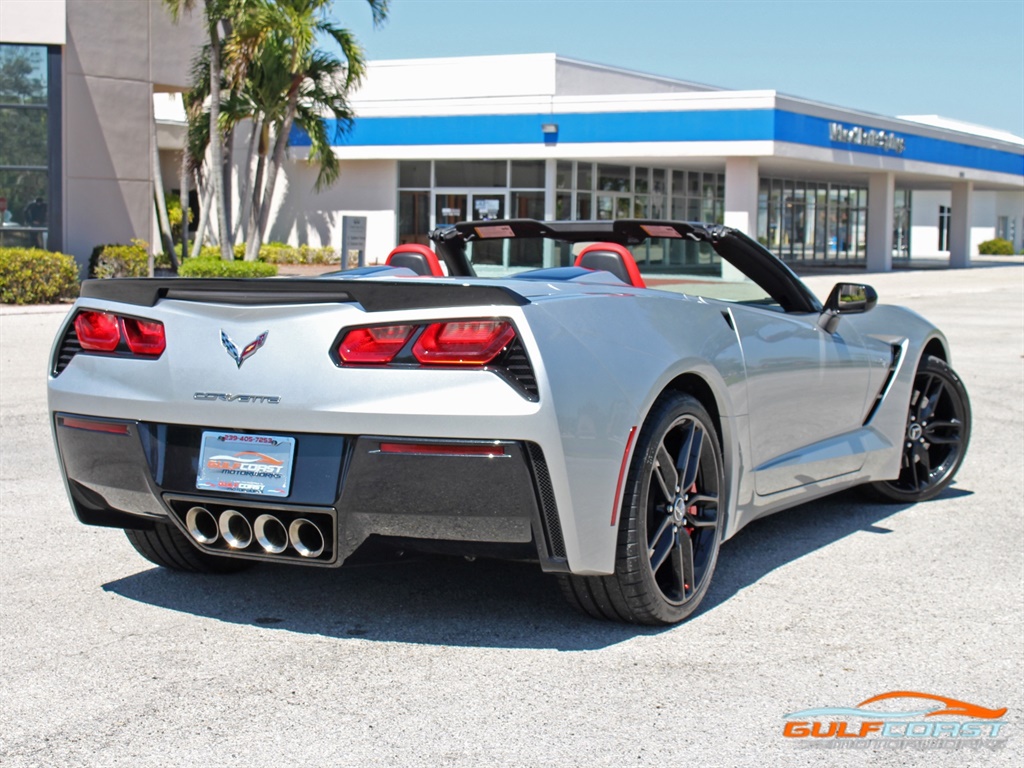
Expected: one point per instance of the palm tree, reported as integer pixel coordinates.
(272, 62)
(215, 11)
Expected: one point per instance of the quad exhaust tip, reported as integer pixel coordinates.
(202, 525)
(306, 537)
(270, 532)
(235, 529)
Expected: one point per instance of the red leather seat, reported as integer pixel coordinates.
(614, 258)
(419, 258)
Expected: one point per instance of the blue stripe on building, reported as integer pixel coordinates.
(630, 127)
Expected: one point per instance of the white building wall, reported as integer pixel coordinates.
(365, 188)
(33, 22)
(1011, 205)
(924, 222)
(986, 207)
(983, 218)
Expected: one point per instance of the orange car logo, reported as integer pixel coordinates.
(953, 707)
(238, 459)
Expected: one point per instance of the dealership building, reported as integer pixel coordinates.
(535, 135)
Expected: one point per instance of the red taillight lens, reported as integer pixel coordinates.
(145, 337)
(374, 346)
(97, 331)
(470, 342)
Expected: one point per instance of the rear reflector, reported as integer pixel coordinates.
(469, 342)
(97, 331)
(144, 337)
(113, 427)
(616, 501)
(374, 346)
(443, 449)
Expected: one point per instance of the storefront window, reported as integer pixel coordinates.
(563, 175)
(414, 173)
(529, 174)
(613, 178)
(471, 173)
(805, 221)
(24, 146)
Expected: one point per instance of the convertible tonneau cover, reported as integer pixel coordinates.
(375, 296)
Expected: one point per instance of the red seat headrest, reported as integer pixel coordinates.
(614, 258)
(419, 258)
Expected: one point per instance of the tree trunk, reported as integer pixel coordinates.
(204, 217)
(216, 152)
(252, 241)
(158, 196)
(244, 198)
(185, 210)
(227, 177)
(280, 143)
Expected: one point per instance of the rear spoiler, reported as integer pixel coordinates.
(372, 296)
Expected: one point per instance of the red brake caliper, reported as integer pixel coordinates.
(692, 509)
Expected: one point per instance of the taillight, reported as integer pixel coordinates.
(104, 332)
(465, 342)
(145, 337)
(97, 331)
(377, 345)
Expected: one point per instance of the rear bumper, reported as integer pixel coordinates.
(132, 474)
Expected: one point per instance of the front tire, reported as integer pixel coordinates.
(936, 436)
(670, 529)
(168, 547)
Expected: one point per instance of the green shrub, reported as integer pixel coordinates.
(282, 253)
(35, 276)
(213, 252)
(996, 247)
(216, 267)
(174, 216)
(120, 260)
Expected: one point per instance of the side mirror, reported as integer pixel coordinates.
(846, 299)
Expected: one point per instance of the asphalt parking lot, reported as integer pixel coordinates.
(109, 661)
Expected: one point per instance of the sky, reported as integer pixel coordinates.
(956, 58)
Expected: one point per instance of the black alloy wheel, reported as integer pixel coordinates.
(936, 436)
(670, 530)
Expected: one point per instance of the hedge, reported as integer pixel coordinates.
(35, 276)
(120, 260)
(213, 252)
(207, 267)
(996, 247)
(280, 253)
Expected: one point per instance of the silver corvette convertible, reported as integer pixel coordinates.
(612, 426)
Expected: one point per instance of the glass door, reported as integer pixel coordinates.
(450, 208)
(488, 206)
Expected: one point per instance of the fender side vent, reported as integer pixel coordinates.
(548, 507)
(69, 347)
(897, 354)
(514, 366)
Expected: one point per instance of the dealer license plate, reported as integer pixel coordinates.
(236, 463)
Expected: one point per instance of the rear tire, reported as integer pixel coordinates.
(168, 547)
(935, 438)
(670, 529)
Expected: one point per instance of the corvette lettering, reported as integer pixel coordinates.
(229, 398)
